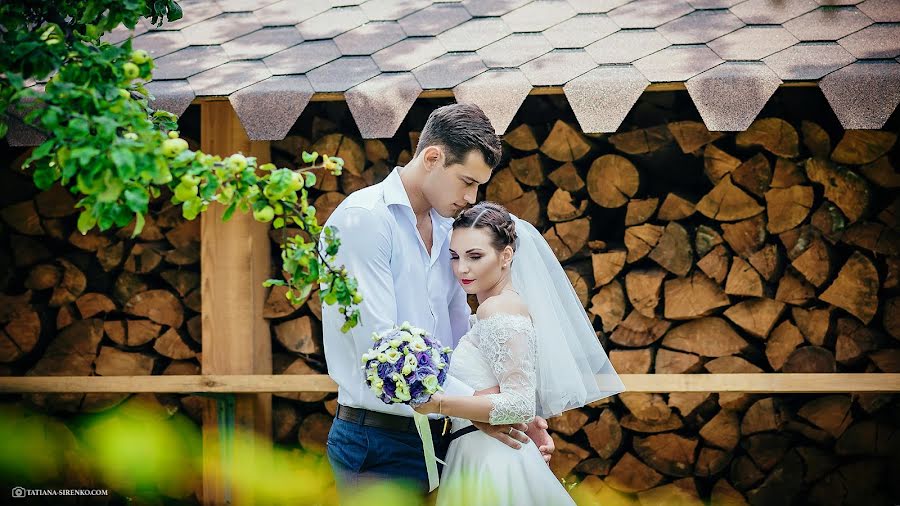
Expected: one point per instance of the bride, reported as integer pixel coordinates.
(532, 338)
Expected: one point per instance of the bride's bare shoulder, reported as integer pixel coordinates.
(505, 303)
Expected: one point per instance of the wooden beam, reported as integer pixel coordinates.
(770, 383)
(235, 260)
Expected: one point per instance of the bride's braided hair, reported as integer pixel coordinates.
(492, 216)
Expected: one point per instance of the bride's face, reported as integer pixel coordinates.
(475, 261)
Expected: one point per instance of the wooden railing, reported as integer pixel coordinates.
(269, 383)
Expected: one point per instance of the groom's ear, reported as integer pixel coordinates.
(432, 156)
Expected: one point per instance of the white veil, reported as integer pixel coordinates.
(572, 368)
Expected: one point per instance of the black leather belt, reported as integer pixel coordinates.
(389, 422)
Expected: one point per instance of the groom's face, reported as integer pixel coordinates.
(451, 188)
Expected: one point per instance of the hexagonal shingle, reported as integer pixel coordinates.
(713, 4)
(603, 97)
(881, 40)
(160, 43)
(332, 23)
(515, 50)
(369, 38)
(580, 31)
(538, 15)
(449, 70)
(379, 105)
(287, 12)
(626, 46)
(303, 57)
(492, 7)
(863, 95)
(700, 26)
(828, 23)
(392, 10)
(174, 96)
(434, 19)
(649, 13)
(775, 12)
(730, 96)
(221, 28)
(243, 5)
(595, 6)
(262, 43)
(474, 34)
(752, 42)
(883, 11)
(408, 54)
(189, 61)
(499, 93)
(198, 10)
(226, 79)
(677, 63)
(342, 74)
(808, 61)
(557, 67)
(268, 109)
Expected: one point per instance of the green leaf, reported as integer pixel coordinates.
(278, 223)
(229, 212)
(86, 221)
(310, 179)
(309, 157)
(273, 282)
(138, 225)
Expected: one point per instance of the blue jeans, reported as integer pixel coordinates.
(359, 454)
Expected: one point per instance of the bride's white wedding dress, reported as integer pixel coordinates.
(498, 350)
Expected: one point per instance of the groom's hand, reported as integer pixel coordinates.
(537, 431)
(514, 438)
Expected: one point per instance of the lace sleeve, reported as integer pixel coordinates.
(508, 345)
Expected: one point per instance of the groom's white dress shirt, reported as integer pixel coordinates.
(398, 280)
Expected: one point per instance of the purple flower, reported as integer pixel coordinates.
(385, 370)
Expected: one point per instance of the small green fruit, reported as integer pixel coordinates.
(173, 147)
(131, 71)
(140, 56)
(184, 192)
(265, 214)
(173, 134)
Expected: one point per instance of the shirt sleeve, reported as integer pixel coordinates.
(459, 314)
(365, 252)
(509, 347)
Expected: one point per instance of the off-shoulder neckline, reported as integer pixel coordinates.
(511, 315)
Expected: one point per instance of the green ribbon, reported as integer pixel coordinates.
(431, 459)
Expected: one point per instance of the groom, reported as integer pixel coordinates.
(394, 239)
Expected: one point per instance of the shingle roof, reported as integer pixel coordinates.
(599, 46)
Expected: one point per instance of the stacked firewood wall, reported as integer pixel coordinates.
(771, 250)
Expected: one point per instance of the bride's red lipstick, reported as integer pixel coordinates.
(466, 281)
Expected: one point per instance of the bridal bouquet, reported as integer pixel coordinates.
(406, 365)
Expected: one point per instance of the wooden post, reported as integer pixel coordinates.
(235, 260)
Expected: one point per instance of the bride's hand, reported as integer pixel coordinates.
(537, 431)
(431, 406)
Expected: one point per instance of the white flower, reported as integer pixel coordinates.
(375, 336)
(395, 343)
(447, 349)
(431, 383)
(418, 345)
(393, 355)
(411, 361)
(399, 380)
(405, 326)
(383, 347)
(377, 387)
(406, 336)
(382, 357)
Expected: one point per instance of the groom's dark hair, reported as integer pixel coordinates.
(460, 129)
